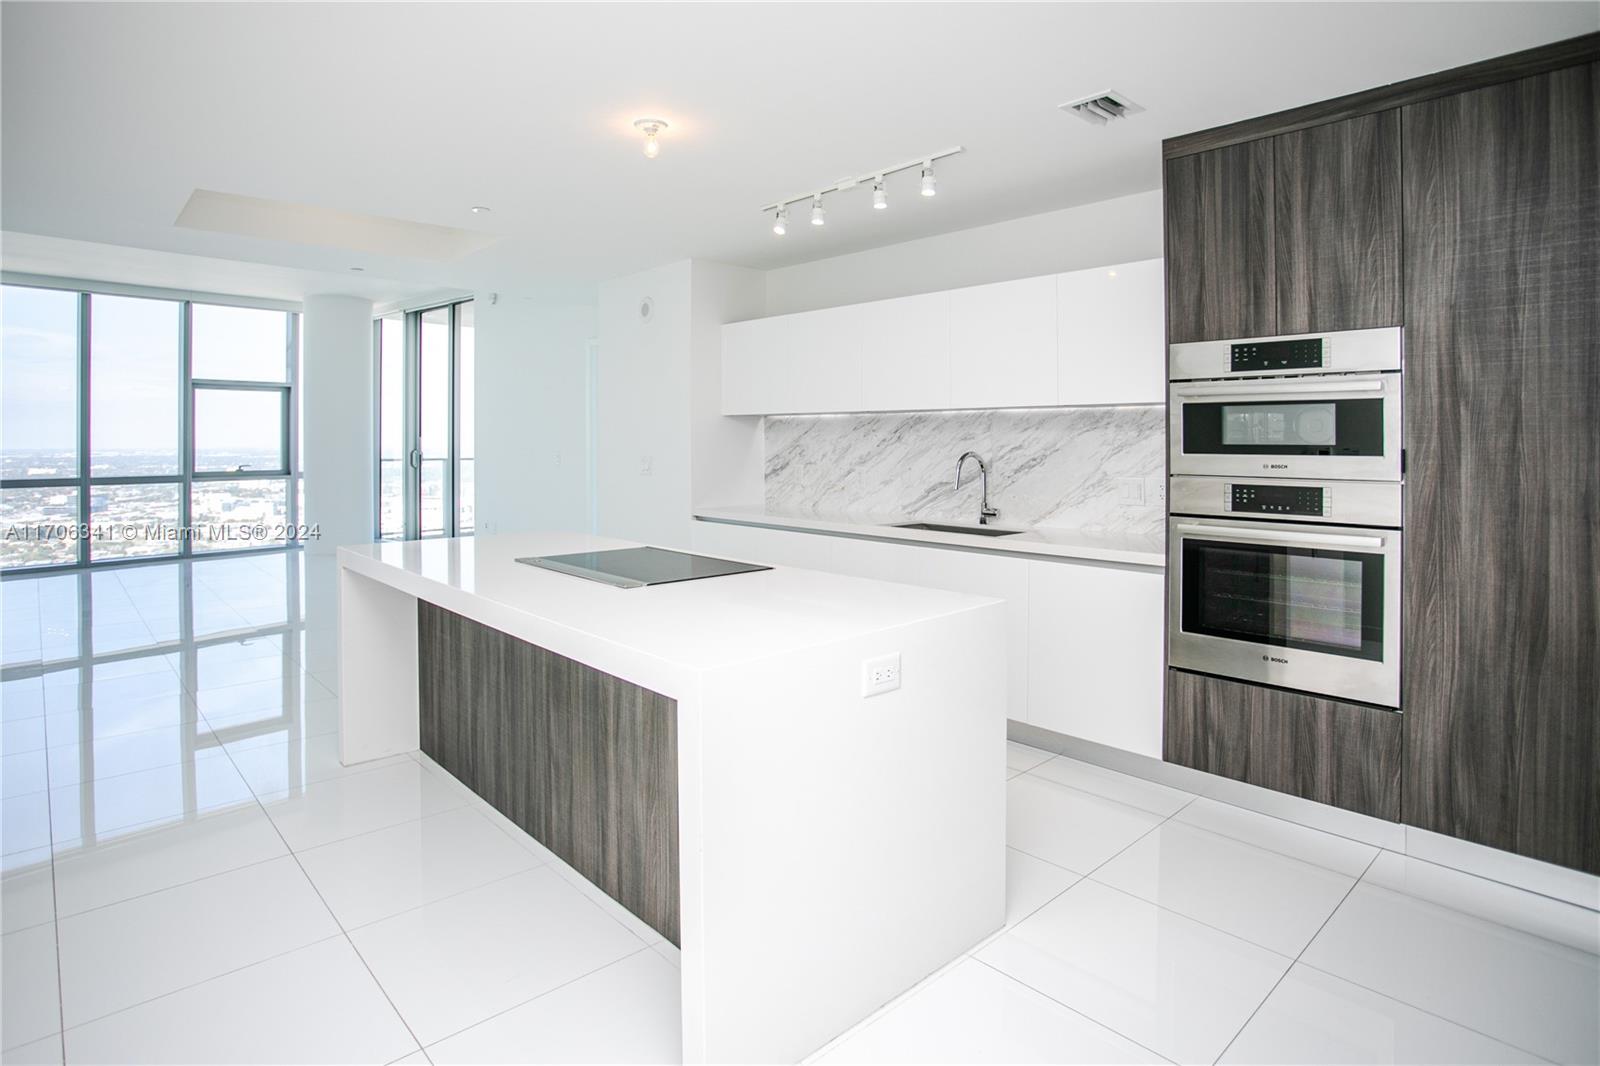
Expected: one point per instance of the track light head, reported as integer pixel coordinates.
(818, 215)
(929, 186)
(780, 221)
(880, 199)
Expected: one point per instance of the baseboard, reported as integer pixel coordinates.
(1557, 882)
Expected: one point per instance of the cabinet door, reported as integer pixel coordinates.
(1094, 653)
(905, 353)
(1003, 344)
(1220, 275)
(1501, 600)
(749, 368)
(1337, 223)
(1109, 335)
(820, 357)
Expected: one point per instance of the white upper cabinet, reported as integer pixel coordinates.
(1088, 337)
(792, 363)
(905, 353)
(1111, 345)
(1003, 344)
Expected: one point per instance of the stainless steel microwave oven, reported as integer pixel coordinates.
(1308, 607)
(1326, 426)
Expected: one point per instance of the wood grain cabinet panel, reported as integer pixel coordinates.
(1336, 222)
(1344, 754)
(1502, 583)
(1220, 278)
(585, 763)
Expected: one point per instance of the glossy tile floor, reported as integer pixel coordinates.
(191, 876)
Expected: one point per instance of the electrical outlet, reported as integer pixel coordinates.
(1155, 489)
(1130, 491)
(880, 675)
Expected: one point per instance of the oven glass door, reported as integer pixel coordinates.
(1311, 599)
(1335, 426)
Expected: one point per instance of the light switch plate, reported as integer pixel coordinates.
(1130, 490)
(880, 675)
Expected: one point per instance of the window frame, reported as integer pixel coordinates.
(83, 556)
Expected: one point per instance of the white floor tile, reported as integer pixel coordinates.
(129, 753)
(1528, 991)
(1031, 883)
(333, 810)
(23, 773)
(627, 1012)
(174, 709)
(165, 793)
(416, 1058)
(974, 1014)
(1336, 853)
(260, 699)
(1022, 757)
(382, 873)
(1067, 827)
(25, 823)
(184, 935)
(1175, 986)
(454, 963)
(314, 1005)
(46, 1052)
(29, 1007)
(314, 718)
(1133, 791)
(275, 768)
(27, 890)
(1313, 1017)
(164, 856)
(1267, 898)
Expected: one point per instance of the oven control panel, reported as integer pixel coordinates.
(1314, 501)
(1257, 356)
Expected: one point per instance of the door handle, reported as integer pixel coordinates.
(1256, 389)
(1286, 537)
(414, 457)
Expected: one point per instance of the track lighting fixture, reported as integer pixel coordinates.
(651, 128)
(877, 178)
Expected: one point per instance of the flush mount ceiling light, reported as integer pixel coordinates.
(651, 128)
(1101, 108)
(876, 178)
(480, 210)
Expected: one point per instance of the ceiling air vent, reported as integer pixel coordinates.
(1102, 107)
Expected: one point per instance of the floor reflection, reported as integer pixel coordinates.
(136, 697)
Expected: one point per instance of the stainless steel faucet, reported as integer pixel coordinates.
(985, 512)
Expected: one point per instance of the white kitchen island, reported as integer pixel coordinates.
(832, 849)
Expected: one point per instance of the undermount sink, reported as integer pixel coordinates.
(982, 531)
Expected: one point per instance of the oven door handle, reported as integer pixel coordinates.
(1285, 537)
(1353, 387)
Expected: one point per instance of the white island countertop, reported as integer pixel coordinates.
(822, 816)
(1130, 549)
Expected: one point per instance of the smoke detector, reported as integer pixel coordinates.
(1101, 108)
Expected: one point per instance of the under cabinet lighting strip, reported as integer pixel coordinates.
(869, 176)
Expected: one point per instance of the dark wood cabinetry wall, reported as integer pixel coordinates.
(1465, 207)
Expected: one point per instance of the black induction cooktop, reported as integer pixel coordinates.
(632, 568)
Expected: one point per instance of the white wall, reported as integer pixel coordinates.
(642, 440)
(726, 452)
(1109, 231)
(532, 408)
(336, 401)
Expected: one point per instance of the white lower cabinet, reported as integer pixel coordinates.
(1094, 649)
(1083, 640)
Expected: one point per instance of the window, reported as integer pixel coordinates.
(137, 426)
(426, 365)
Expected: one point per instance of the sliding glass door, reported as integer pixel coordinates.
(425, 422)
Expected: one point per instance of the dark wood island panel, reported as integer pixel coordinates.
(586, 763)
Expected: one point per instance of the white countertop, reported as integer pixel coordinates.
(696, 625)
(1060, 543)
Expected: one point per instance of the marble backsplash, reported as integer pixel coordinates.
(1055, 467)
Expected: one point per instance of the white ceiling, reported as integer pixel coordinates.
(113, 115)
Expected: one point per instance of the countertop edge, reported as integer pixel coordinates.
(932, 539)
